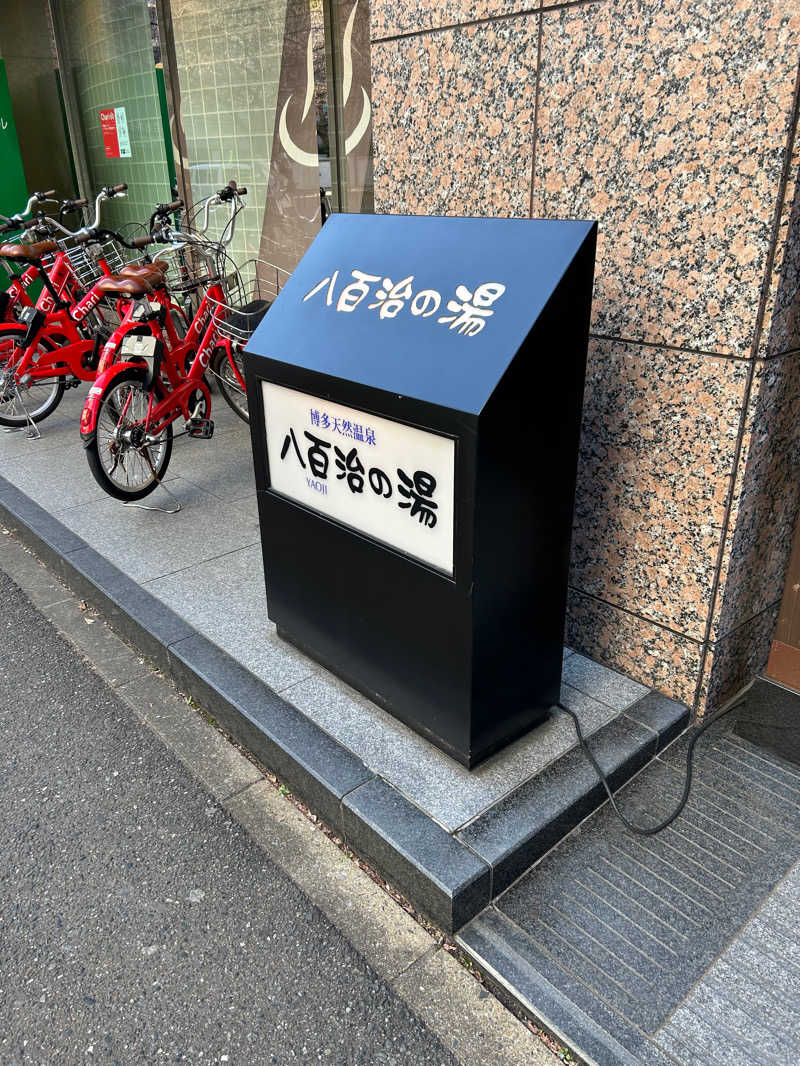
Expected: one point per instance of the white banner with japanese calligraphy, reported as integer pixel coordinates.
(390, 481)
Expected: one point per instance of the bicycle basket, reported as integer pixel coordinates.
(84, 259)
(188, 266)
(250, 291)
(239, 323)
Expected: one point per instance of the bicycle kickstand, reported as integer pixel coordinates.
(31, 430)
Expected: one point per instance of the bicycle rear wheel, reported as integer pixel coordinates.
(125, 458)
(21, 404)
(229, 384)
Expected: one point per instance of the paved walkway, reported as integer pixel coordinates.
(205, 564)
(639, 953)
(141, 923)
(679, 948)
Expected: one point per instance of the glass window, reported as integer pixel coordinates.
(26, 46)
(252, 101)
(109, 52)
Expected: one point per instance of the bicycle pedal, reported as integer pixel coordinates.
(200, 428)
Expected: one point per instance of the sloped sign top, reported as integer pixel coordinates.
(433, 308)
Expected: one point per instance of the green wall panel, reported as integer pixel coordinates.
(13, 190)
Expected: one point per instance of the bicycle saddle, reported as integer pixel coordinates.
(27, 252)
(152, 272)
(124, 286)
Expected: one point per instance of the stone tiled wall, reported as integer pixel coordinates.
(673, 123)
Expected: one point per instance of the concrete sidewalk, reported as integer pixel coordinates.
(146, 914)
(187, 589)
(594, 969)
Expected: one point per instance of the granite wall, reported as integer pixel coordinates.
(673, 123)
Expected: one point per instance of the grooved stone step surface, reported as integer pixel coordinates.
(679, 947)
(775, 724)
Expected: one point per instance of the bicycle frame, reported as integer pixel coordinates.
(70, 347)
(200, 342)
(175, 384)
(62, 282)
(62, 279)
(16, 292)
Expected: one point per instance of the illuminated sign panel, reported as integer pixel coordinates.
(390, 481)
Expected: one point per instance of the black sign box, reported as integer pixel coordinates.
(415, 401)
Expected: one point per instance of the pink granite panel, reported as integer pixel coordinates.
(388, 18)
(736, 659)
(657, 451)
(766, 497)
(453, 120)
(781, 332)
(635, 646)
(667, 120)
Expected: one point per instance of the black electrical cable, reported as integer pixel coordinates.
(641, 830)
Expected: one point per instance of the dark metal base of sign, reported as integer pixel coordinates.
(529, 718)
(436, 653)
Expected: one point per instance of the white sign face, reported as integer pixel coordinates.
(389, 481)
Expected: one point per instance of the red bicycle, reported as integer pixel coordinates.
(16, 292)
(56, 344)
(152, 377)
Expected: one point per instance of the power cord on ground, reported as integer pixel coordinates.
(641, 830)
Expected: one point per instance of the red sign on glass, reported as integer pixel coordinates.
(108, 126)
(114, 127)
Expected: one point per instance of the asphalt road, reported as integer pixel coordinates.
(138, 922)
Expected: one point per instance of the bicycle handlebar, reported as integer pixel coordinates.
(230, 191)
(108, 192)
(93, 233)
(162, 211)
(39, 220)
(15, 221)
(230, 194)
(68, 206)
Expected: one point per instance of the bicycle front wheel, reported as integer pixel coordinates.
(127, 460)
(24, 403)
